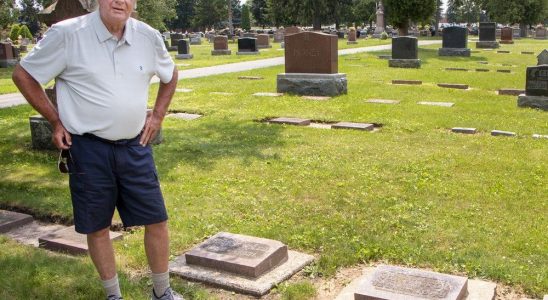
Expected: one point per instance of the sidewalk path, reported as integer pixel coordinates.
(17, 99)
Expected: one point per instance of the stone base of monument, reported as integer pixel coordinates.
(173, 48)
(5, 63)
(240, 263)
(351, 42)
(506, 42)
(10, 220)
(184, 56)
(308, 84)
(69, 241)
(404, 63)
(221, 52)
(248, 53)
(40, 132)
(539, 102)
(487, 45)
(465, 52)
(426, 285)
(282, 45)
(264, 46)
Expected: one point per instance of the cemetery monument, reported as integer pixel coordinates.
(352, 36)
(487, 36)
(220, 45)
(183, 49)
(247, 46)
(455, 42)
(263, 41)
(536, 87)
(507, 35)
(405, 53)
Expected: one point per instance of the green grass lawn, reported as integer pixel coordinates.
(412, 193)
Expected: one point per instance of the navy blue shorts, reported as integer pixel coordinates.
(105, 175)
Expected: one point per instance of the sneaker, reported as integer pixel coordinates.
(168, 295)
(113, 297)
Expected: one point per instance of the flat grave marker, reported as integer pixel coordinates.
(290, 121)
(502, 133)
(510, 92)
(10, 220)
(68, 240)
(456, 69)
(317, 98)
(464, 130)
(382, 101)
(504, 71)
(453, 86)
(411, 82)
(267, 94)
(540, 136)
(482, 70)
(352, 125)
(250, 77)
(442, 104)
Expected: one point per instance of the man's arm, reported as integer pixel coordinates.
(163, 99)
(35, 95)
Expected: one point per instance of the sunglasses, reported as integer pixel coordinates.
(63, 163)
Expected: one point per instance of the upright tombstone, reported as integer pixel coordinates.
(507, 35)
(540, 33)
(487, 36)
(352, 36)
(536, 87)
(311, 66)
(7, 57)
(263, 41)
(175, 37)
(183, 50)
(455, 42)
(250, 35)
(516, 32)
(247, 46)
(220, 46)
(279, 35)
(289, 31)
(196, 39)
(405, 53)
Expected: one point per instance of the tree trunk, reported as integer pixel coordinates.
(317, 21)
(403, 30)
(523, 30)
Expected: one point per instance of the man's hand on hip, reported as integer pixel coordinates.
(152, 127)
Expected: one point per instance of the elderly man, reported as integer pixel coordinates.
(103, 63)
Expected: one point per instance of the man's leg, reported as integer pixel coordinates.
(157, 250)
(102, 255)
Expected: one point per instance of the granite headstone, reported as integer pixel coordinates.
(405, 53)
(247, 46)
(455, 42)
(507, 35)
(263, 41)
(220, 45)
(487, 35)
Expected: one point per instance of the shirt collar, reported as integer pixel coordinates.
(103, 34)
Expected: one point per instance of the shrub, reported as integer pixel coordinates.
(384, 35)
(24, 32)
(14, 33)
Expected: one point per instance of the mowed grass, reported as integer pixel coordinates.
(412, 193)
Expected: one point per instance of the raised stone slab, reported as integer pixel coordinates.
(250, 77)
(239, 254)
(487, 45)
(317, 98)
(390, 282)
(252, 286)
(510, 92)
(412, 82)
(453, 86)
(268, 94)
(184, 116)
(382, 101)
(10, 220)
(40, 133)
(404, 63)
(443, 104)
(456, 69)
(308, 84)
(184, 56)
(539, 102)
(290, 121)
(69, 241)
(221, 52)
(355, 126)
(454, 52)
(502, 133)
(464, 130)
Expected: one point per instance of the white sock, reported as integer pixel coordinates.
(112, 286)
(160, 283)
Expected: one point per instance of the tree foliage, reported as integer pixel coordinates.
(463, 11)
(185, 12)
(8, 13)
(246, 21)
(208, 13)
(14, 32)
(404, 11)
(156, 12)
(529, 12)
(29, 15)
(24, 32)
(259, 10)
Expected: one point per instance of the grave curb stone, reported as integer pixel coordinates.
(290, 121)
(456, 69)
(487, 45)
(15, 220)
(503, 51)
(538, 102)
(482, 70)
(260, 94)
(258, 287)
(248, 53)
(464, 130)
(352, 125)
(308, 84)
(404, 63)
(510, 92)
(184, 56)
(221, 52)
(464, 52)
(504, 71)
(55, 241)
(458, 288)
(502, 133)
(527, 52)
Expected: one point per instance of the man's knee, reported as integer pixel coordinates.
(157, 227)
(99, 234)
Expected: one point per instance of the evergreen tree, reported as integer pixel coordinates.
(14, 32)
(209, 13)
(29, 15)
(24, 32)
(156, 12)
(185, 10)
(246, 22)
(8, 13)
(259, 9)
(402, 12)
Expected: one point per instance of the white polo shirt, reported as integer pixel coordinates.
(102, 82)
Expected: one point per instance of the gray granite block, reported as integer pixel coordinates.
(487, 45)
(464, 130)
(454, 52)
(404, 63)
(511, 92)
(261, 94)
(41, 132)
(290, 121)
(307, 84)
(502, 133)
(10, 220)
(453, 86)
(412, 82)
(184, 56)
(442, 104)
(538, 102)
(351, 125)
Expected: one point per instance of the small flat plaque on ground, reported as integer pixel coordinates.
(239, 254)
(502, 133)
(504, 71)
(443, 104)
(10, 220)
(511, 92)
(268, 94)
(482, 70)
(385, 56)
(483, 62)
(185, 116)
(184, 90)
(221, 93)
(250, 77)
(413, 82)
(351, 125)
(382, 101)
(291, 121)
(320, 125)
(503, 51)
(527, 52)
(453, 86)
(540, 136)
(317, 98)
(456, 69)
(68, 240)
(464, 130)
(389, 282)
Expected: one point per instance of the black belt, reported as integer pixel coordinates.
(116, 142)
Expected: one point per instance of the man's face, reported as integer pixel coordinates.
(116, 11)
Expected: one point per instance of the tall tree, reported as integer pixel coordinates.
(209, 13)
(402, 12)
(523, 12)
(259, 10)
(29, 15)
(156, 12)
(364, 11)
(246, 21)
(185, 13)
(8, 13)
